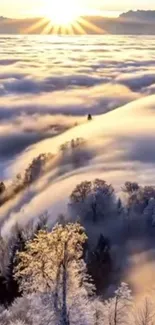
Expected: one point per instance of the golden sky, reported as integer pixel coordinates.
(22, 8)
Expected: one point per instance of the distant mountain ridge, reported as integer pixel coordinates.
(143, 15)
(138, 22)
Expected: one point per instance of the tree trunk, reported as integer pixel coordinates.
(115, 311)
(65, 318)
(56, 294)
(94, 210)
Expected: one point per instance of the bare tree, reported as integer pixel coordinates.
(145, 315)
(117, 309)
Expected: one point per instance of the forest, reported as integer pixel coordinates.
(81, 269)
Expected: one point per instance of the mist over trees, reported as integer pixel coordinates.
(93, 200)
(75, 271)
(57, 288)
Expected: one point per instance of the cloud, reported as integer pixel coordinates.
(8, 61)
(25, 122)
(77, 102)
(22, 131)
(46, 93)
(110, 134)
(138, 81)
(28, 85)
(119, 146)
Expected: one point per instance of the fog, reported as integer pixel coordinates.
(46, 92)
(48, 89)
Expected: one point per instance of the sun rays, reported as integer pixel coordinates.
(63, 18)
(79, 26)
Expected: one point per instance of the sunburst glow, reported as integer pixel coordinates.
(63, 17)
(62, 13)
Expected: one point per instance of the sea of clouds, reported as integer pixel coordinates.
(48, 85)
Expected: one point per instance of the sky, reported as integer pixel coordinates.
(21, 8)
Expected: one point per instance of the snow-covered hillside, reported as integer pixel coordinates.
(118, 146)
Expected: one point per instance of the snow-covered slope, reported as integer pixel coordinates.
(123, 130)
(120, 146)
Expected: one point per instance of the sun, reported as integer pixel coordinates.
(62, 12)
(63, 17)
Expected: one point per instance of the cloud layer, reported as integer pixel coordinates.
(46, 91)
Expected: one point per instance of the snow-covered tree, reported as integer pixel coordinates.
(17, 322)
(97, 307)
(74, 152)
(81, 192)
(149, 212)
(30, 310)
(48, 250)
(137, 197)
(4, 255)
(130, 187)
(21, 310)
(117, 309)
(73, 144)
(38, 308)
(4, 315)
(33, 309)
(52, 262)
(131, 190)
(36, 168)
(93, 200)
(145, 313)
